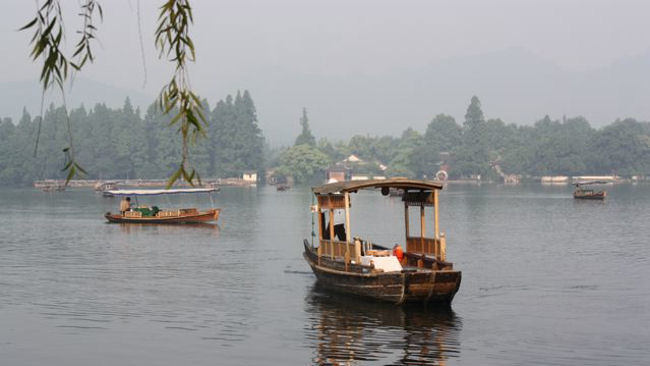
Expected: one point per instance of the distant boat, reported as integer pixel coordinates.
(282, 187)
(105, 185)
(583, 192)
(50, 185)
(155, 215)
(357, 267)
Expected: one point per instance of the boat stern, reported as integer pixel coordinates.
(431, 286)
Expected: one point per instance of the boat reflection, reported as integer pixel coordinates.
(170, 228)
(350, 331)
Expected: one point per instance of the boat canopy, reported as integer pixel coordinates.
(399, 183)
(156, 192)
(590, 182)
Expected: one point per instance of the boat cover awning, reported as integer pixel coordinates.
(399, 183)
(156, 192)
(590, 182)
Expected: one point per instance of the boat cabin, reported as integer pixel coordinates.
(427, 248)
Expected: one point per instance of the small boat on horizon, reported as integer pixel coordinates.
(351, 265)
(583, 191)
(155, 215)
(50, 185)
(282, 187)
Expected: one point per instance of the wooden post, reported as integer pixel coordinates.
(332, 232)
(347, 218)
(347, 229)
(320, 252)
(320, 228)
(436, 228)
(357, 251)
(422, 228)
(320, 225)
(406, 221)
(436, 234)
(443, 248)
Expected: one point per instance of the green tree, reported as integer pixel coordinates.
(622, 147)
(558, 148)
(304, 163)
(443, 134)
(406, 161)
(472, 156)
(305, 136)
(235, 138)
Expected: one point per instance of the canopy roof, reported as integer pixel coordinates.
(155, 192)
(401, 183)
(588, 182)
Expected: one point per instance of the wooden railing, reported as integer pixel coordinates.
(336, 248)
(429, 246)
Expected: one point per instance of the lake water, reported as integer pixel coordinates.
(546, 280)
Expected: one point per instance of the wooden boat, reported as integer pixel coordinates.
(105, 187)
(282, 187)
(583, 191)
(359, 268)
(140, 215)
(50, 185)
(53, 188)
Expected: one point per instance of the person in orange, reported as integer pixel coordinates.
(398, 252)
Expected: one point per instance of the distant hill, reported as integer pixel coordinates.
(513, 84)
(16, 95)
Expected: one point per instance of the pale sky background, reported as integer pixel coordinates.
(285, 52)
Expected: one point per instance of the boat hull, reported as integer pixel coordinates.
(204, 216)
(407, 286)
(592, 196)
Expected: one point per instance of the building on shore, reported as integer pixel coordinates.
(555, 179)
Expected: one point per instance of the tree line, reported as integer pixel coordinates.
(476, 147)
(122, 143)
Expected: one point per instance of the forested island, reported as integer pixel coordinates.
(127, 143)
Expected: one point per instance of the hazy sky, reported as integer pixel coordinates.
(240, 42)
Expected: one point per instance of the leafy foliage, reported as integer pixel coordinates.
(174, 42)
(47, 43)
(304, 162)
(83, 51)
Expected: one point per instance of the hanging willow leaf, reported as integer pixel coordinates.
(83, 51)
(46, 43)
(173, 41)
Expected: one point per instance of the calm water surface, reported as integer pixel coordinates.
(546, 280)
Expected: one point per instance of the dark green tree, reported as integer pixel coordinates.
(472, 157)
(443, 134)
(305, 136)
(621, 148)
(305, 163)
